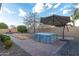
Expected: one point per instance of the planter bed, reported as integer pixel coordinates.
(13, 51)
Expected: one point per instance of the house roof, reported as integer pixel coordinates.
(55, 20)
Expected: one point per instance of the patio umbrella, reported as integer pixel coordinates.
(56, 20)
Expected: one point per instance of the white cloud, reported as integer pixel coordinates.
(49, 5)
(57, 5)
(77, 5)
(22, 13)
(63, 8)
(38, 8)
(1, 11)
(6, 10)
(65, 11)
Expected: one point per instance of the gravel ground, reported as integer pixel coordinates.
(71, 48)
(13, 51)
(22, 36)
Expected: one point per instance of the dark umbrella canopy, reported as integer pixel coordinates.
(55, 20)
(59, 21)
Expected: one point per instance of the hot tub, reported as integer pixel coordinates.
(45, 37)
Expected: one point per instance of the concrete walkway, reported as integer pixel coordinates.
(38, 49)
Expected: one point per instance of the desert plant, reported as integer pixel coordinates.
(22, 29)
(6, 41)
(7, 44)
(4, 38)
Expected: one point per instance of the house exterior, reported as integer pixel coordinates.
(8, 30)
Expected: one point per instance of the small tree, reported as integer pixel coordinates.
(30, 20)
(3, 26)
(21, 29)
(12, 27)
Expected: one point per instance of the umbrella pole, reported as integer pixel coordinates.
(34, 24)
(63, 32)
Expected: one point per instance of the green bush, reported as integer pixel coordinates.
(4, 38)
(7, 44)
(22, 29)
(3, 26)
(6, 41)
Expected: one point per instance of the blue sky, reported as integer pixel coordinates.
(13, 13)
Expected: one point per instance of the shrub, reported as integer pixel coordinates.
(4, 38)
(6, 41)
(3, 26)
(22, 29)
(7, 44)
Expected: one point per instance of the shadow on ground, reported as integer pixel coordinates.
(71, 48)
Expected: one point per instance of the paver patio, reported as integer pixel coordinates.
(71, 48)
(38, 49)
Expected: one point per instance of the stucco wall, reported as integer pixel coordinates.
(73, 31)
